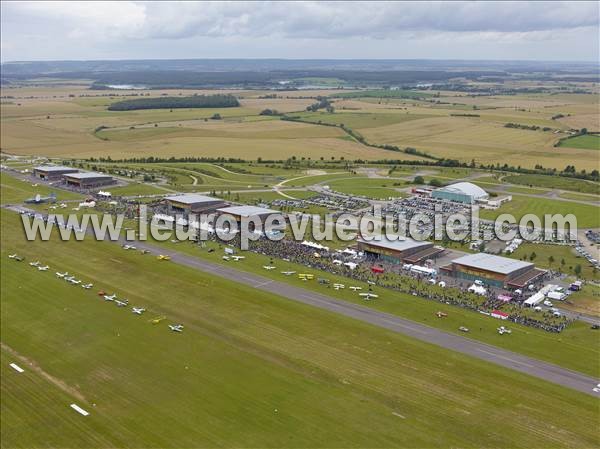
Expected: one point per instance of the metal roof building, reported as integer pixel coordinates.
(494, 270)
(50, 172)
(193, 202)
(462, 192)
(397, 251)
(247, 211)
(87, 180)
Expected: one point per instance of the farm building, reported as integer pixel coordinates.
(193, 203)
(493, 270)
(461, 192)
(88, 180)
(399, 251)
(52, 172)
(247, 212)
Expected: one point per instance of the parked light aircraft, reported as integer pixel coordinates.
(163, 257)
(87, 286)
(138, 310)
(225, 257)
(269, 267)
(74, 281)
(126, 247)
(61, 275)
(44, 268)
(368, 296)
(34, 264)
(176, 327)
(288, 273)
(502, 330)
(353, 288)
(121, 303)
(158, 319)
(238, 258)
(111, 297)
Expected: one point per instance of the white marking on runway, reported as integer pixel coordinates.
(262, 283)
(505, 358)
(17, 368)
(79, 410)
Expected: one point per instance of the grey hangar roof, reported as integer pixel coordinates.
(490, 262)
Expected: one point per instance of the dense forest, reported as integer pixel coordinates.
(195, 101)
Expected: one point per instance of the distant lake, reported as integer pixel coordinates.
(126, 86)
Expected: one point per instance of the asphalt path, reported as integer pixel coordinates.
(483, 351)
(458, 343)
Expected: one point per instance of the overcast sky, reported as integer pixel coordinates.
(164, 30)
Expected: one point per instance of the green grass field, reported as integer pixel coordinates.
(573, 348)
(588, 216)
(586, 142)
(376, 188)
(250, 369)
(14, 190)
(555, 182)
(559, 253)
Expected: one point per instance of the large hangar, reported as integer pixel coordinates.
(88, 180)
(399, 251)
(52, 172)
(193, 203)
(494, 270)
(461, 192)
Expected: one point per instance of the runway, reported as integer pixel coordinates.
(483, 351)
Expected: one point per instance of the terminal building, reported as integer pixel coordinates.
(399, 251)
(88, 180)
(495, 271)
(52, 172)
(193, 203)
(461, 192)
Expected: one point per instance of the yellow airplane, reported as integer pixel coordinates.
(163, 257)
(157, 320)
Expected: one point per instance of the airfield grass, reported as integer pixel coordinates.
(579, 196)
(376, 188)
(14, 190)
(252, 370)
(559, 253)
(586, 300)
(527, 190)
(555, 182)
(585, 142)
(588, 216)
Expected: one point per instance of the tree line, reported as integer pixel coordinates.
(195, 101)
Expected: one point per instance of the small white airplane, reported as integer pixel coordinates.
(225, 257)
(176, 327)
(288, 273)
(35, 264)
(238, 258)
(121, 303)
(63, 205)
(74, 281)
(138, 310)
(87, 286)
(110, 298)
(69, 278)
(269, 267)
(44, 268)
(338, 286)
(353, 288)
(368, 296)
(502, 330)
(126, 247)
(12, 256)
(370, 282)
